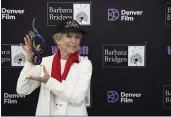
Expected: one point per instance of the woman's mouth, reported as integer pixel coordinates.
(72, 46)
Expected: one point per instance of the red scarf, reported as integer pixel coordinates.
(56, 65)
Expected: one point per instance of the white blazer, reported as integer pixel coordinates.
(71, 92)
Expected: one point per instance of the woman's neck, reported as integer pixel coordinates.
(64, 56)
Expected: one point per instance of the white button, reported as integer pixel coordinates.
(56, 106)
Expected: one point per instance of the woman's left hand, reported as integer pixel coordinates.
(44, 79)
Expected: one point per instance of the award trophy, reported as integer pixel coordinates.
(38, 44)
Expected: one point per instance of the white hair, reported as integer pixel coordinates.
(57, 36)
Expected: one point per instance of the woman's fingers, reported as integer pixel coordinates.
(29, 41)
(25, 41)
(22, 45)
(44, 69)
(34, 78)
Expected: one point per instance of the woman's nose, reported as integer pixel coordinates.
(73, 40)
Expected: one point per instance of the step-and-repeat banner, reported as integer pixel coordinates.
(128, 42)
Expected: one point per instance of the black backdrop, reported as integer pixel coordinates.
(148, 28)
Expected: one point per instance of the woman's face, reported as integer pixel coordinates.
(69, 42)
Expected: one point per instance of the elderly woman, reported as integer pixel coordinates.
(64, 77)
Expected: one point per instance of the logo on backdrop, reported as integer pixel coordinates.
(18, 57)
(12, 55)
(12, 98)
(115, 56)
(10, 14)
(168, 14)
(167, 96)
(169, 50)
(122, 15)
(113, 96)
(5, 55)
(57, 11)
(122, 97)
(113, 14)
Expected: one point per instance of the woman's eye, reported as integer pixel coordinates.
(69, 36)
(77, 37)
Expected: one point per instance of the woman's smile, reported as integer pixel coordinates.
(72, 47)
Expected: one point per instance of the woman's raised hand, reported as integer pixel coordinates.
(27, 47)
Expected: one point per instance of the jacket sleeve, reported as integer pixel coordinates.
(77, 94)
(27, 86)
